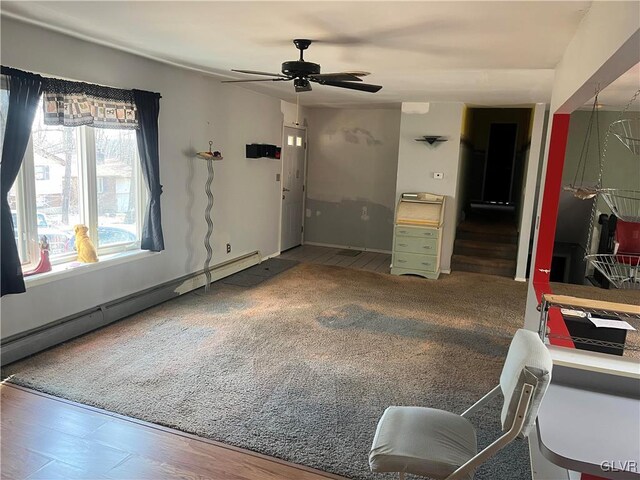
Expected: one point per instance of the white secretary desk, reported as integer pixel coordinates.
(417, 238)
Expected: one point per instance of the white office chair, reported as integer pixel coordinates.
(442, 445)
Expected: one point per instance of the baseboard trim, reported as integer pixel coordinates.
(346, 247)
(446, 272)
(33, 341)
(221, 270)
(273, 255)
(520, 279)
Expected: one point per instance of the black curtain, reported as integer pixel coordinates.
(24, 93)
(148, 106)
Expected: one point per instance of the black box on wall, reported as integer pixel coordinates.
(259, 150)
(270, 151)
(253, 151)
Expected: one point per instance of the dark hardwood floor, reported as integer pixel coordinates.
(370, 261)
(44, 437)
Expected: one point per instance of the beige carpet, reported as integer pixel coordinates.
(302, 365)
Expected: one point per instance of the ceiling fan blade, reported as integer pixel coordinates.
(358, 73)
(257, 80)
(254, 72)
(363, 87)
(337, 77)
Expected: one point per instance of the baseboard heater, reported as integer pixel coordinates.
(33, 341)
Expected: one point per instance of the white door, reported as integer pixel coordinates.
(293, 155)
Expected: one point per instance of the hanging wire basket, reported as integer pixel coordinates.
(628, 132)
(624, 204)
(622, 270)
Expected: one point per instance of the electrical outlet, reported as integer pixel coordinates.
(438, 175)
(228, 248)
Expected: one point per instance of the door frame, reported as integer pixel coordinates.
(303, 130)
(529, 192)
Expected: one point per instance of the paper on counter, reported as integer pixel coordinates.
(604, 323)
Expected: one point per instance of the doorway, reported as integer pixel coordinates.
(293, 186)
(494, 158)
(500, 163)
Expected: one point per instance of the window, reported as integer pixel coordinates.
(42, 172)
(73, 175)
(117, 186)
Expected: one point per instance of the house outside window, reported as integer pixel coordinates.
(42, 172)
(62, 184)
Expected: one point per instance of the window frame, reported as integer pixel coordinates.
(26, 204)
(99, 184)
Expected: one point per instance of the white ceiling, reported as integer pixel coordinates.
(481, 53)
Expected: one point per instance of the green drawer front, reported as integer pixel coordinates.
(416, 262)
(427, 246)
(417, 232)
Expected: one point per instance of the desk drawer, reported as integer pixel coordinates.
(428, 263)
(417, 232)
(427, 246)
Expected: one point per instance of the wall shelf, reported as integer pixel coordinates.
(431, 139)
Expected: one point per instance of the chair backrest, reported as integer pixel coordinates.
(528, 361)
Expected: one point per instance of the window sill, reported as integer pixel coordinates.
(71, 269)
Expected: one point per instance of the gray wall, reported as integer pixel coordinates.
(351, 177)
(418, 161)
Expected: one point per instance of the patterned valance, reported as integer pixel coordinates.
(76, 103)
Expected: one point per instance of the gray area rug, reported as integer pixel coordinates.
(302, 365)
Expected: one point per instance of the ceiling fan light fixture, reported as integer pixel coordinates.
(302, 85)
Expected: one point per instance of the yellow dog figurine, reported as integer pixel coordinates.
(84, 246)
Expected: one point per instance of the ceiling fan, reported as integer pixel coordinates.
(303, 73)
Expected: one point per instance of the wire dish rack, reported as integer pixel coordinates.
(629, 313)
(628, 132)
(624, 204)
(622, 270)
